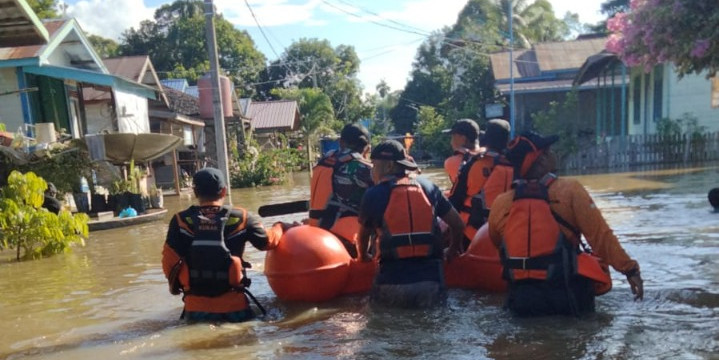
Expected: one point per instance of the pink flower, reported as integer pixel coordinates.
(617, 23)
(615, 44)
(635, 4)
(700, 48)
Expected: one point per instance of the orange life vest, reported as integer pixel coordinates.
(409, 227)
(534, 247)
(210, 269)
(321, 188)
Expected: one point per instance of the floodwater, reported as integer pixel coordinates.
(109, 299)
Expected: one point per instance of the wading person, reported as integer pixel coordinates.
(338, 183)
(481, 178)
(465, 143)
(398, 217)
(202, 256)
(538, 226)
(50, 202)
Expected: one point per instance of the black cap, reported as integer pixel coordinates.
(466, 127)
(355, 135)
(497, 134)
(393, 150)
(528, 142)
(209, 182)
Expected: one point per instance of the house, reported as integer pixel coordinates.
(271, 118)
(47, 82)
(20, 25)
(545, 73)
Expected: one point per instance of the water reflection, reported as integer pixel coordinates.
(110, 299)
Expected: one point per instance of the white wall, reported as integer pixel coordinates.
(691, 94)
(132, 112)
(99, 118)
(10, 105)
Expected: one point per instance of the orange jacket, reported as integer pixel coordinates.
(569, 199)
(242, 228)
(454, 162)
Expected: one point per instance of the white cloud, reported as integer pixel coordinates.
(269, 12)
(109, 18)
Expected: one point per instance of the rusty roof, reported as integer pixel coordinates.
(546, 57)
(130, 67)
(20, 25)
(274, 115)
(181, 102)
(30, 51)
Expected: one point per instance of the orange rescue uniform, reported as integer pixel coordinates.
(569, 199)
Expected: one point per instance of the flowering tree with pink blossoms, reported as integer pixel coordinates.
(683, 32)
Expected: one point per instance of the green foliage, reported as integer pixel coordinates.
(31, 230)
(561, 118)
(44, 9)
(63, 167)
(429, 127)
(270, 167)
(175, 39)
(104, 47)
(688, 123)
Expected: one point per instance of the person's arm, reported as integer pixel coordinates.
(169, 254)
(369, 219)
(498, 217)
(601, 238)
(260, 237)
(444, 209)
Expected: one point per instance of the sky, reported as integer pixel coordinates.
(385, 34)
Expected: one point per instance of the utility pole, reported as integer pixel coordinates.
(220, 139)
(511, 72)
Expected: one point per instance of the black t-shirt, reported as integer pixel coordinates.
(52, 204)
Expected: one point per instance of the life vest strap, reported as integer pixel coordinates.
(533, 263)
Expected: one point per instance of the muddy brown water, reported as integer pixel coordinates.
(109, 299)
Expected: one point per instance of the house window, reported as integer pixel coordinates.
(658, 91)
(637, 100)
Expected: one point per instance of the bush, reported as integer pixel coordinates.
(31, 230)
(269, 167)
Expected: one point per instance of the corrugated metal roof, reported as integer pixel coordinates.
(30, 51)
(20, 26)
(567, 54)
(177, 84)
(130, 67)
(545, 86)
(274, 115)
(193, 91)
(546, 57)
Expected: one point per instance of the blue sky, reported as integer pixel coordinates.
(385, 33)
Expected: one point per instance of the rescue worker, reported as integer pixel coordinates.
(338, 182)
(465, 143)
(481, 177)
(538, 226)
(202, 255)
(399, 216)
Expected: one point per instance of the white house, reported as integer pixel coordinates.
(662, 94)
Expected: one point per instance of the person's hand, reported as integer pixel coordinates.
(451, 253)
(286, 226)
(637, 285)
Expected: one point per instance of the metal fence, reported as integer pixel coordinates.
(640, 150)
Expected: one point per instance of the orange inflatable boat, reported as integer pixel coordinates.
(311, 264)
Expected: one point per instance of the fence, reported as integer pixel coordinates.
(640, 150)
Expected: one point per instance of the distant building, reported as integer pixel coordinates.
(271, 118)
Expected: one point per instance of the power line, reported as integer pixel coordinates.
(262, 31)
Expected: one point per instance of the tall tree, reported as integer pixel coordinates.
(44, 9)
(104, 47)
(314, 63)
(610, 8)
(175, 39)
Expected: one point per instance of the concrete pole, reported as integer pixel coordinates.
(220, 138)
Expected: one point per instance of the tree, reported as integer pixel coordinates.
(175, 39)
(31, 230)
(44, 9)
(429, 124)
(317, 113)
(682, 32)
(314, 63)
(610, 8)
(104, 47)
